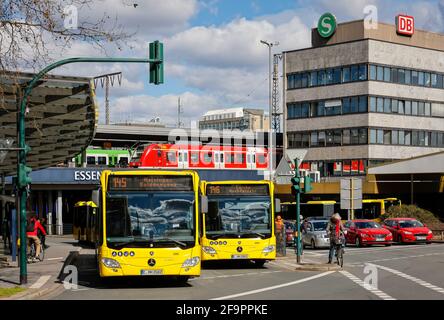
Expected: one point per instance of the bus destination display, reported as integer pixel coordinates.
(150, 183)
(237, 189)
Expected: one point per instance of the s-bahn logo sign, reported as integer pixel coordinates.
(405, 25)
(327, 25)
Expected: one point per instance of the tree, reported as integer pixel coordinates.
(29, 30)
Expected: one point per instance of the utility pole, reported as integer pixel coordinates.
(270, 108)
(276, 114)
(179, 111)
(105, 80)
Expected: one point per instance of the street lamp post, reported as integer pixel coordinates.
(270, 107)
(156, 76)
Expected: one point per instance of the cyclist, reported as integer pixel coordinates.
(335, 231)
(32, 226)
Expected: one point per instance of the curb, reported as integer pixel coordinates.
(35, 293)
(317, 267)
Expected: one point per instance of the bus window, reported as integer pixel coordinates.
(390, 203)
(118, 222)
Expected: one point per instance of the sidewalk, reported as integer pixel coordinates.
(309, 261)
(43, 277)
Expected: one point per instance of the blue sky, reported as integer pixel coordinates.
(213, 57)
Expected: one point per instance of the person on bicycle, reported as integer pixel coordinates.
(32, 226)
(335, 231)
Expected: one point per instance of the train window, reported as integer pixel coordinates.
(180, 157)
(208, 157)
(248, 158)
(221, 158)
(101, 160)
(91, 160)
(194, 157)
(239, 158)
(123, 160)
(229, 158)
(253, 156)
(171, 156)
(261, 158)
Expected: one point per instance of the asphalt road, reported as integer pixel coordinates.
(371, 273)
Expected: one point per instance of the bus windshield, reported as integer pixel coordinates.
(150, 219)
(245, 216)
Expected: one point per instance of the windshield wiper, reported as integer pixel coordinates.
(220, 235)
(179, 243)
(254, 233)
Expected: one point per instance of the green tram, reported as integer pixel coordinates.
(103, 158)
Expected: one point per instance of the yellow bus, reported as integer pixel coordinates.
(149, 224)
(239, 222)
(374, 208)
(85, 219)
(315, 208)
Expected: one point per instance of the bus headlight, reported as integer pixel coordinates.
(208, 250)
(268, 249)
(110, 263)
(194, 261)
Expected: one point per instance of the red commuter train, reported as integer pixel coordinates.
(202, 157)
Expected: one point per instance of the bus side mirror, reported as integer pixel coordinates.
(277, 205)
(204, 204)
(96, 197)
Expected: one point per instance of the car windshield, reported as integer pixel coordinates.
(320, 226)
(239, 216)
(137, 219)
(367, 225)
(410, 224)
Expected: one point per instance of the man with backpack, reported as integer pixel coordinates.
(32, 226)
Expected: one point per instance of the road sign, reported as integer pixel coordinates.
(351, 193)
(295, 153)
(326, 25)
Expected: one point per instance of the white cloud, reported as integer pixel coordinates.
(142, 108)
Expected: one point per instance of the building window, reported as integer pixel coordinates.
(388, 74)
(372, 72)
(314, 139)
(401, 136)
(387, 137)
(346, 105)
(373, 104)
(321, 138)
(394, 106)
(337, 75)
(321, 78)
(313, 79)
(415, 138)
(408, 107)
(346, 76)
(408, 135)
(414, 108)
(354, 136)
(380, 136)
(387, 105)
(380, 104)
(394, 137)
(363, 139)
(373, 136)
(354, 104)
(408, 77)
(346, 136)
(354, 70)
(363, 104)
(362, 72)
(401, 106)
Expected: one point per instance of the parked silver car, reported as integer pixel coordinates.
(314, 234)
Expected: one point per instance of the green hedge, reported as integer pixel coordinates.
(412, 211)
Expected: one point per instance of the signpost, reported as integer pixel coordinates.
(327, 25)
(405, 25)
(351, 195)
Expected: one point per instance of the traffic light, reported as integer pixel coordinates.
(307, 184)
(24, 179)
(296, 181)
(156, 68)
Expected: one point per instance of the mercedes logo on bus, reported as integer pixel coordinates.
(239, 249)
(151, 262)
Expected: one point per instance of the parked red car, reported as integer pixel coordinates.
(366, 232)
(408, 230)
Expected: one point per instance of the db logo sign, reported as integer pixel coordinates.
(405, 25)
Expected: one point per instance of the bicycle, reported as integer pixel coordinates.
(32, 253)
(339, 251)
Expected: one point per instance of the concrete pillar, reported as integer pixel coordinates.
(59, 219)
(50, 211)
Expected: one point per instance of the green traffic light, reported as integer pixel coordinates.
(156, 68)
(307, 184)
(23, 178)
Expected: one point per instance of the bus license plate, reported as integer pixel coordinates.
(151, 272)
(239, 256)
(420, 238)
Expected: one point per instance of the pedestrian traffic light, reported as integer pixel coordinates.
(307, 184)
(296, 181)
(23, 176)
(156, 68)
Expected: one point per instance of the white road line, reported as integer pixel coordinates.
(273, 287)
(375, 291)
(234, 275)
(58, 258)
(396, 258)
(411, 278)
(40, 282)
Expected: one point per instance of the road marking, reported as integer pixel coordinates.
(411, 278)
(274, 287)
(375, 291)
(359, 264)
(234, 275)
(40, 282)
(58, 258)
(357, 251)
